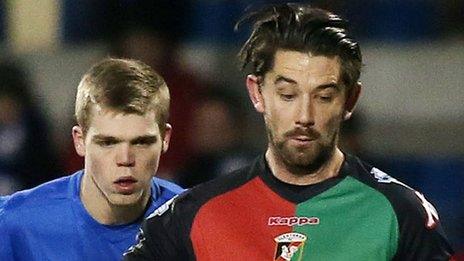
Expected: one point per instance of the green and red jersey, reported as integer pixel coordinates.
(361, 214)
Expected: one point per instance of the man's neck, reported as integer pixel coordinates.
(98, 206)
(328, 170)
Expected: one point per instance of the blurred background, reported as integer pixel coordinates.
(410, 120)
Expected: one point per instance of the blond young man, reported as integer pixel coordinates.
(121, 110)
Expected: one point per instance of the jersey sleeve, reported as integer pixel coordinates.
(421, 235)
(161, 237)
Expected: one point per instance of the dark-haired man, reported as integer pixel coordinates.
(95, 214)
(304, 199)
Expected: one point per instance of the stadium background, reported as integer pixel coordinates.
(410, 119)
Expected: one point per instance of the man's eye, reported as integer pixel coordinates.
(325, 98)
(143, 143)
(287, 97)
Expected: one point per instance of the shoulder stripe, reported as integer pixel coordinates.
(163, 208)
(383, 177)
(432, 218)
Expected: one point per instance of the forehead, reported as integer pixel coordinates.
(108, 122)
(304, 66)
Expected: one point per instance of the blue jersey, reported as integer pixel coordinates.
(49, 222)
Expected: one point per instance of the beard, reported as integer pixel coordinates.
(302, 160)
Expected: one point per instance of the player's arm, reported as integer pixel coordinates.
(161, 237)
(421, 235)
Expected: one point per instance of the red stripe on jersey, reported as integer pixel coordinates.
(229, 226)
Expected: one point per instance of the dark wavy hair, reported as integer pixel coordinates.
(299, 27)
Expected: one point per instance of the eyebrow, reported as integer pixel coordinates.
(329, 85)
(281, 78)
(284, 79)
(145, 139)
(139, 139)
(100, 137)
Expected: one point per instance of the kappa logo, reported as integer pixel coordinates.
(292, 221)
(288, 245)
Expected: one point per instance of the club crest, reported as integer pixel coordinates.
(288, 245)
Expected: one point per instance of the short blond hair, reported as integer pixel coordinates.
(123, 85)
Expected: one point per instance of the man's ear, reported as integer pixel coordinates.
(167, 137)
(254, 92)
(351, 100)
(79, 140)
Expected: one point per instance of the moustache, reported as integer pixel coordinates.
(310, 133)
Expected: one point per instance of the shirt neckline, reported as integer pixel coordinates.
(85, 221)
(300, 193)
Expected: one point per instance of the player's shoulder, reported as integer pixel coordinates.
(39, 197)
(166, 185)
(218, 186)
(185, 205)
(375, 177)
(405, 200)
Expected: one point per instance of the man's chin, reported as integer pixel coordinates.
(302, 166)
(125, 200)
(304, 161)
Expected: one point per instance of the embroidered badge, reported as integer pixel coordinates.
(288, 245)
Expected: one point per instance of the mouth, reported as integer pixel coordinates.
(125, 185)
(301, 140)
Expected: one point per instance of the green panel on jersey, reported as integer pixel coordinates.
(356, 223)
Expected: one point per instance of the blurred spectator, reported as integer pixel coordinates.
(217, 130)
(27, 156)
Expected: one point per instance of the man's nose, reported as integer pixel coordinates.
(125, 157)
(305, 112)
